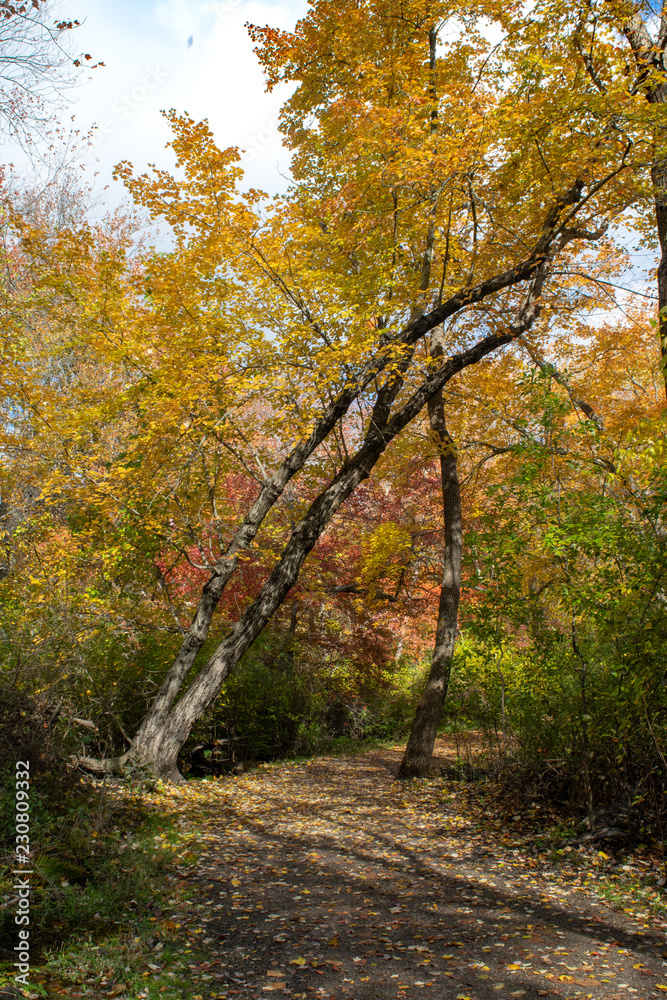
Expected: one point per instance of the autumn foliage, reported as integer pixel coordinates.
(216, 457)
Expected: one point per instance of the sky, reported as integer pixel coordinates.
(192, 55)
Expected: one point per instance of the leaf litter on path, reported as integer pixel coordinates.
(328, 879)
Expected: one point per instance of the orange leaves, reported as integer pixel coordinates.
(273, 47)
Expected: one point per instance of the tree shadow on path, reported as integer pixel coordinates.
(326, 879)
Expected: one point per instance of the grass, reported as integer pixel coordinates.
(103, 933)
(345, 746)
(150, 963)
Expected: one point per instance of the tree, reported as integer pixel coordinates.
(272, 321)
(619, 49)
(650, 79)
(35, 65)
(419, 750)
(589, 35)
(569, 563)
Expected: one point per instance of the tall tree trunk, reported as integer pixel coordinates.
(419, 750)
(659, 175)
(270, 492)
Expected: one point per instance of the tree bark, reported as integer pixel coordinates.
(659, 176)
(650, 59)
(419, 750)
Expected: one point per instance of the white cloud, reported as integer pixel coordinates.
(150, 66)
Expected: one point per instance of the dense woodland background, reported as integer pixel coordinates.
(217, 463)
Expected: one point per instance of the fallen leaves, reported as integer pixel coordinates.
(386, 887)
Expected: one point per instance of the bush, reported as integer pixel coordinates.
(565, 641)
(278, 703)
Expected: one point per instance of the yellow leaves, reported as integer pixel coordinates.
(298, 961)
(204, 202)
(387, 546)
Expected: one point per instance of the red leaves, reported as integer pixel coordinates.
(87, 56)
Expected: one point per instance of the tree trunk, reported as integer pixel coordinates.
(158, 752)
(650, 59)
(659, 175)
(419, 750)
(271, 491)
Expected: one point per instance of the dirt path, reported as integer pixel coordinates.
(327, 879)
